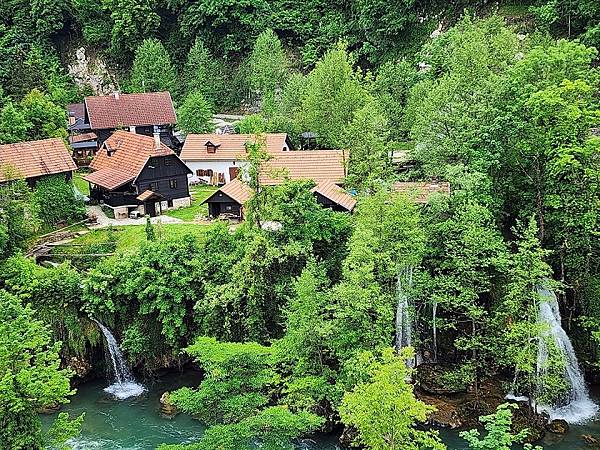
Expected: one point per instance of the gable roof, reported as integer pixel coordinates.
(125, 110)
(35, 158)
(336, 194)
(421, 191)
(76, 110)
(236, 190)
(82, 137)
(129, 153)
(230, 146)
(316, 165)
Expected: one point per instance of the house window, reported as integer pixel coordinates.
(211, 149)
(168, 161)
(153, 186)
(173, 184)
(204, 172)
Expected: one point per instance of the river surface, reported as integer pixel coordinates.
(136, 423)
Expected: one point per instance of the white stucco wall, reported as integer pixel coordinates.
(217, 166)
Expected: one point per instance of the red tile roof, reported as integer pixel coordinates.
(316, 165)
(34, 159)
(148, 194)
(237, 190)
(77, 109)
(125, 110)
(230, 146)
(82, 137)
(336, 194)
(421, 192)
(128, 155)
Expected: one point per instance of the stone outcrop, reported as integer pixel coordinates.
(91, 72)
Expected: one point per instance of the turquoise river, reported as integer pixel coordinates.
(137, 424)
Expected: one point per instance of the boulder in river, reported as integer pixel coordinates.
(590, 440)
(167, 408)
(558, 426)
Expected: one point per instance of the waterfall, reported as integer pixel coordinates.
(404, 319)
(124, 385)
(577, 407)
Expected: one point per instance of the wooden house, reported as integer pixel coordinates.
(218, 158)
(34, 160)
(324, 167)
(145, 113)
(138, 174)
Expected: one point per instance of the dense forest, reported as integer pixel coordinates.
(354, 324)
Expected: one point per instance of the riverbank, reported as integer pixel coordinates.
(137, 423)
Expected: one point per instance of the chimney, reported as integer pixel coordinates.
(116, 94)
(156, 141)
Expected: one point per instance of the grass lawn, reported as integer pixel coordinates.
(199, 193)
(131, 236)
(81, 185)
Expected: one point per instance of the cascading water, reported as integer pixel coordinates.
(577, 407)
(125, 385)
(404, 321)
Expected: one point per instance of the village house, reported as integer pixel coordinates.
(97, 117)
(324, 167)
(136, 175)
(218, 158)
(34, 160)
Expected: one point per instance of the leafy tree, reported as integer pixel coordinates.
(13, 126)
(251, 124)
(201, 74)
(384, 409)
(386, 239)
(381, 27)
(239, 376)
(268, 69)
(303, 352)
(152, 69)
(55, 201)
(334, 91)
(272, 428)
(31, 377)
(51, 290)
(498, 427)
(16, 224)
(391, 89)
(229, 27)
(133, 23)
(520, 308)
(467, 257)
(45, 118)
(195, 115)
(158, 283)
(368, 158)
(448, 112)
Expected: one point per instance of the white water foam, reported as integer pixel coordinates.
(125, 385)
(578, 407)
(125, 390)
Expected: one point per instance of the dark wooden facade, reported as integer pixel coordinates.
(220, 203)
(164, 175)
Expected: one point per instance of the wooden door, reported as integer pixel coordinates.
(150, 208)
(233, 173)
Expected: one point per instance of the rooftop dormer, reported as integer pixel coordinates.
(211, 147)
